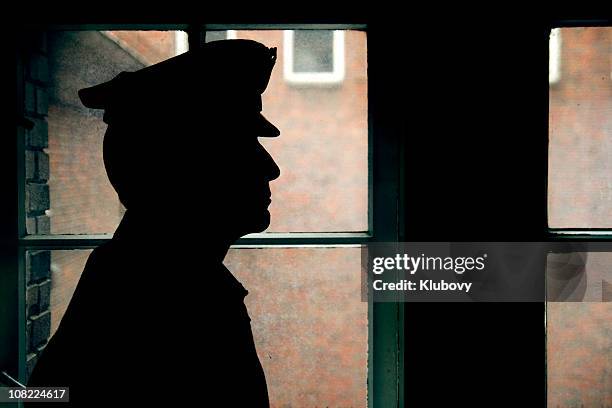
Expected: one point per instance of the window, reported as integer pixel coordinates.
(182, 42)
(314, 56)
(331, 196)
(216, 35)
(579, 207)
(580, 134)
(554, 65)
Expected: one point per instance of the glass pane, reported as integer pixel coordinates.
(579, 277)
(149, 47)
(216, 35)
(322, 152)
(67, 190)
(309, 324)
(579, 354)
(579, 329)
(313, 50)
(580, 129)
(51, 278)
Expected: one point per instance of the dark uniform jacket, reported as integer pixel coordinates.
(154, 321)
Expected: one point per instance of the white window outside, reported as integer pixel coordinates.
(314, 57)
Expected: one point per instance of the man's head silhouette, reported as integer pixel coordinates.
(182, 140)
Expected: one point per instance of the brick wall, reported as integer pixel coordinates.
(36, 100)
(37, 263)
(38, 293)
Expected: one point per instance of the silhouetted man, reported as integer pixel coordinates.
(156, 317)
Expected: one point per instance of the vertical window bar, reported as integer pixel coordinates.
(196, 35)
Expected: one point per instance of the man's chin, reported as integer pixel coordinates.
(259, 223)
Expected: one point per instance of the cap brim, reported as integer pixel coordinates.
(95, 97)
(99, 96)
(266, 128)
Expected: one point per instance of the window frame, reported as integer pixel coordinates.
(576, 233)
(336, 76)
(555, 44)
(385, 221)
(566, 234)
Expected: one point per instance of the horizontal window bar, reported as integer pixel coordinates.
(592, 231)
(581, 234)
(184, 27)
(593, 22)
(284, 26)
(80, 241)
(306, 238)
(283, 245)
(252, 240)
(107, 27)
(581, 230)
